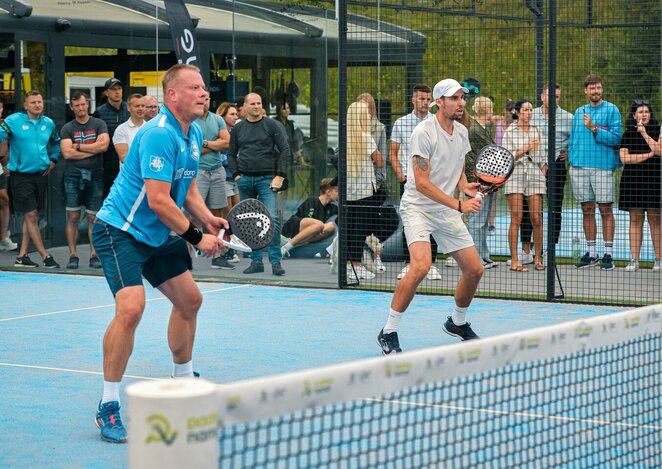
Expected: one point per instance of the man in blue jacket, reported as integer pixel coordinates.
(34, 148)
(593, 155)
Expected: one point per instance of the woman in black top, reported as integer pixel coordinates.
(640, 183)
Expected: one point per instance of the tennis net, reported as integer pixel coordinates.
(585, 393)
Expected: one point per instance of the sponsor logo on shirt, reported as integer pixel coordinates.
(156, 163)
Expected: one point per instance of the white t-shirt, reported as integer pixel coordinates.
(363, 184)
(446, 154)
(401, 134)
(125, 132)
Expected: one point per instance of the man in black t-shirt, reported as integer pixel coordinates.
(84, 139)
(309, 224)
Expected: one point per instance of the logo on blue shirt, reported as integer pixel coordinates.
(195, 151)
(156, 163)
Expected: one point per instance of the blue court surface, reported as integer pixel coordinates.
(51, 348)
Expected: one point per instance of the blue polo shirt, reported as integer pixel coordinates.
(33, 143)
(162, 151)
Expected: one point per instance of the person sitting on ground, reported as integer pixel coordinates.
(309, 224)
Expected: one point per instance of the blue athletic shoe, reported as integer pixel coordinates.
(108, 420)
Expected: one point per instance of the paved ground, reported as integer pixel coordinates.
(587, 285)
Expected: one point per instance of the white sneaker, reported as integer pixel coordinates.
(489, 264)
(404, 271)
(451, 262)
(433, 273)
(7, 245)
(351, 276)
(379, 265)
(632, 266)
(361, 272)
(526, 258)
(235, 259)
(284, 252)
(657, 266)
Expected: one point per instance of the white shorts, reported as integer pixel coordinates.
(446, 226)
(527, 179)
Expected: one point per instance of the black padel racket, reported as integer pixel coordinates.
(492, 167)
(251, 226)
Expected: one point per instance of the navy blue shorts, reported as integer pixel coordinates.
(125, 261)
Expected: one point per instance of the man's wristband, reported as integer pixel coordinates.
(192, 235)
(459, 206)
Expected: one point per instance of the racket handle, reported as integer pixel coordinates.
(234, 242)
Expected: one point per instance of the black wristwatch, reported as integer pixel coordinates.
(78, 146)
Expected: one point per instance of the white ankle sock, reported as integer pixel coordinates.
(288, 246)
(182, 370)
(111, 391)
(592, 251)
(459, 315)
(392, 321)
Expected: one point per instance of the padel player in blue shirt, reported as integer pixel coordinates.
(134, 236)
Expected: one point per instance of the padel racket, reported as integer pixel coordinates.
(251, 226)
(492, 168)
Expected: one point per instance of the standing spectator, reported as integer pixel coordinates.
(593, 156)
(310, 223)
(527, 181)
(293, 141)
(501, 123)
(211, 175)
(126, 131)
(362, 196)
(230, 115)
(641, 182)
(34, 148)
(151, 107)
(371, 259)
(259, 170)
(113, 113)
(6, 243)
(421, 99)
(563, 127)
(84, 139)
(479, 137)
(436, 169)
(133, 237)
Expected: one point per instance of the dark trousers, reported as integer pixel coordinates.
(556, 208)
(360, 223)
(405, 248)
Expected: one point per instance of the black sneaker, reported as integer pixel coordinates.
(277, 269)
(221, 262)
(95, 263)
(464, 331)
(24, 261)
(256, 267)
(50, 263)
(607, 262)
(389, 343)
(73, 262)
(586, 261)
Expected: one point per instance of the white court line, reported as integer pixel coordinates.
(69, 370)
(606, 423)
(111, 305)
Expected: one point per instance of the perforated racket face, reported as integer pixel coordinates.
(251, 222)
(493, 165)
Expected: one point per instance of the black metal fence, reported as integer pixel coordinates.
(580, 219)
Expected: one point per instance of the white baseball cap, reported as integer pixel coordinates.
(447, 87)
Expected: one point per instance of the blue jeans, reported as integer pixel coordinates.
(257, 187)
(478, 226)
